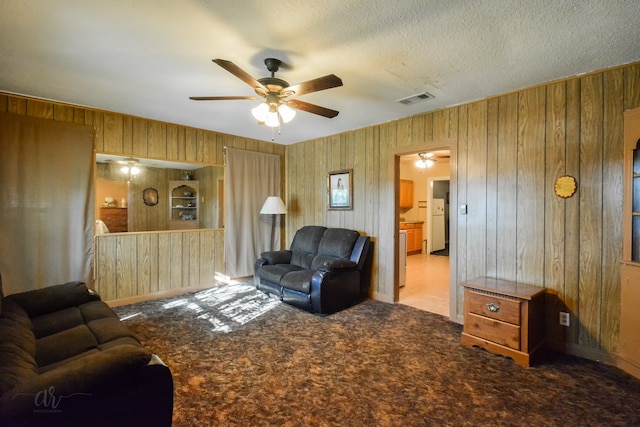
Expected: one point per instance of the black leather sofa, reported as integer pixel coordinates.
(66, 359)
(324, 271)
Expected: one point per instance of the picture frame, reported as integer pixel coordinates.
(150, 196)
(340, 190)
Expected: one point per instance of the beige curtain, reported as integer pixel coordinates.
(250, 178)
(46, 202)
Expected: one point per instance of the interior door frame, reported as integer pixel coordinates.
(393, 211)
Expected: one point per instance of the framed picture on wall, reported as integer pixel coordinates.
(340, 190)
(150, 196)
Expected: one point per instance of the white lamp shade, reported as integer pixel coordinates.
(274, 206)
(272, 119)
(286, 113)
(260, 112)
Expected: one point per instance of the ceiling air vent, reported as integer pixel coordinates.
(415, 98)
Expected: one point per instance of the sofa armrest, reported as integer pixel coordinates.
(54, 298)
(87, 384)
(276, 257)
(338, 265)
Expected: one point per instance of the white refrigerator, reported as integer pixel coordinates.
(437, 225)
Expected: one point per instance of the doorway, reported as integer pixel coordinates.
(425, 274)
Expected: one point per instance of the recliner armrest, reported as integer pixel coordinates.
(276, 257)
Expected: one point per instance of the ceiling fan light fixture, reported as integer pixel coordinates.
(131, 168)
(425, 160)
(271, 119)
(260, 112)
(274, 109)
(287, 113)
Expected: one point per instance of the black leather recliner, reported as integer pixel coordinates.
(326, 269)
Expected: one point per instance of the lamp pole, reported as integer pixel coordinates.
(273, 230)
(273, 206)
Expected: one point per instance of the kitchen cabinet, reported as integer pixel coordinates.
(406, 194)
(503, 317)
(414, 236)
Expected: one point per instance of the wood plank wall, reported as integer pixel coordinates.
(509, 151)
(137, 264)
(130, 265)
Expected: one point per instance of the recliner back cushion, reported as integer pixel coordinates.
(305, 245)
(337, 243)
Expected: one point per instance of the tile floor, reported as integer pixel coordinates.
(427, 286)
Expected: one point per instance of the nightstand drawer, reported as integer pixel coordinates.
(493, 330)
(494, 307)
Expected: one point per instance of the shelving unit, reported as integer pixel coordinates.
(628, 343)
(184, 205)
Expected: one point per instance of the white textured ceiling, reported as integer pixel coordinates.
(146, 57)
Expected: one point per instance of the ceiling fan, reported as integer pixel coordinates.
(276, 93)
(427, 160)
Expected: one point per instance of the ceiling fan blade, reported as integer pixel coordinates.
(312, 108)
(315, 85)
(238, 72)
(220, 98)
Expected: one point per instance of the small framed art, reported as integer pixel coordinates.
(340, 190)
(150, 196)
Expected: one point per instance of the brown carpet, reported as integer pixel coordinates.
(375, 364)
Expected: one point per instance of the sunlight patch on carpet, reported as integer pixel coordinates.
(225, 307)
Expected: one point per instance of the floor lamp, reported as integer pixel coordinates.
(273, 206)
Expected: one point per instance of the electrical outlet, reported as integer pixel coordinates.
(564, 318)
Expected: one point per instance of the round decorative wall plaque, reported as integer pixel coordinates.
(565, 186)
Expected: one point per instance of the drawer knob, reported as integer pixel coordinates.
(493, 308)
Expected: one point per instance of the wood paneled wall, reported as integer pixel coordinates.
(137, 264)
(508, 151)
(122, 134)
(131, 265)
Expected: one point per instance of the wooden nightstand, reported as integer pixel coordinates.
(504, 317)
